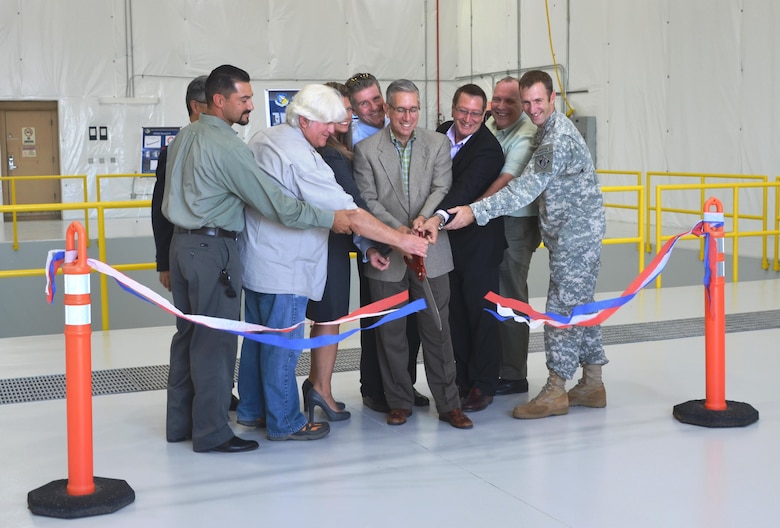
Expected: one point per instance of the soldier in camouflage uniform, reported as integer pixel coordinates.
(571, 217)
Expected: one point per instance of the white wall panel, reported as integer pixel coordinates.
(757, 88)
(10, 49)
(681, 86)
(704, 62)
(387, 38)
(493, 36)
(535, 42)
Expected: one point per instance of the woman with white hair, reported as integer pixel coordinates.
(284, 267)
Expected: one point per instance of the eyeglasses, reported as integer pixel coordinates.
(463, 112)
(357, 78)
(403, 111)
(224, 278)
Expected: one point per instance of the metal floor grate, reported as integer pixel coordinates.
(138, 379)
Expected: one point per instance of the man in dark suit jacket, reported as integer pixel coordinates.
(477, 159)
(403, 173)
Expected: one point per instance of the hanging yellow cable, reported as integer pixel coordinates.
(570, 110)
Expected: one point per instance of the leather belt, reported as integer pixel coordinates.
(207, 231)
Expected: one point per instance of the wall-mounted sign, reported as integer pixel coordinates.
(154, 139)
(28, 135)
(277, 105)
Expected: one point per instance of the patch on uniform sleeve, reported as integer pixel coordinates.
(543, 159)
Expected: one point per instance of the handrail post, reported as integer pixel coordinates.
(14, 221)
(102, 256)
(648, 195)
(734, 234)
(658, 228)
(84, 187)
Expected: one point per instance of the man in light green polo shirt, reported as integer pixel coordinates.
(515, 132)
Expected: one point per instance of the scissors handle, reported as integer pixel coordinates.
(417, 265)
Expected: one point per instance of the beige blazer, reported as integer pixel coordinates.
(377, 171)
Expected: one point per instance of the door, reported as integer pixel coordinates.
(30, 148)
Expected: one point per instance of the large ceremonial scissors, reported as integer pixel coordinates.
(417, 265)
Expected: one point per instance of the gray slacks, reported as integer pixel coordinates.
(393, 346)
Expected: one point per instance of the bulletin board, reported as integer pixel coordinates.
(154, 139)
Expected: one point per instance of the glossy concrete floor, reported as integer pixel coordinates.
(629, 465)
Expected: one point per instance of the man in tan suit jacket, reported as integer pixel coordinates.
(403, 174)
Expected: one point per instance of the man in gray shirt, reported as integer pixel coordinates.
(211, 175)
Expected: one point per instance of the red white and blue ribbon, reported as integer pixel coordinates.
(595, 313)
(262, 334)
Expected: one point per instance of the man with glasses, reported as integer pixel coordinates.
(477, 251)
(403, 173)
(365, 95)
(562, 177)
(515, 132)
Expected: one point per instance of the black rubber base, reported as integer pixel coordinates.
(737, 414)
(52, 499)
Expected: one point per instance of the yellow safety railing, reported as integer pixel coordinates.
(640, 207)
(100, 177)
(639, 189)
(703, 179)
(12, 198)
(102, 256)
(777, 224)
(734, 233)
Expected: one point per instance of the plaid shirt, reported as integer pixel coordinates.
(405, 155)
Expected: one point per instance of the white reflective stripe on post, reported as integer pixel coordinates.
(76, 284)
(78, 315)
(712, 216)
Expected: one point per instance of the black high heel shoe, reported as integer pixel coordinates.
(314, 398)
(306, 386)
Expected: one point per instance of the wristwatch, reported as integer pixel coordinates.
(442, 221)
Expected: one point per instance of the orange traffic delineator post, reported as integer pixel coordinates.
(715, 410)
(82, 494)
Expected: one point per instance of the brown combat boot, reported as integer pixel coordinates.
(551, 401)
(589, 391)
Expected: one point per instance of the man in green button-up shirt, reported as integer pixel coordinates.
(211, 175)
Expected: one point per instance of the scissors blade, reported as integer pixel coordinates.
(431, 302)
(417, 265)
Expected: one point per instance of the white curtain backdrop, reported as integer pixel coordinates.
(674, 86)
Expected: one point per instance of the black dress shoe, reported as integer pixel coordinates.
(234, 445)
(375, 404)
(506, 386)
(420, 400)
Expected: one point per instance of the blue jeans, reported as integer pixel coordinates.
(267, 387)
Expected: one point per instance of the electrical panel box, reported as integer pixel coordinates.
(587, 127)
